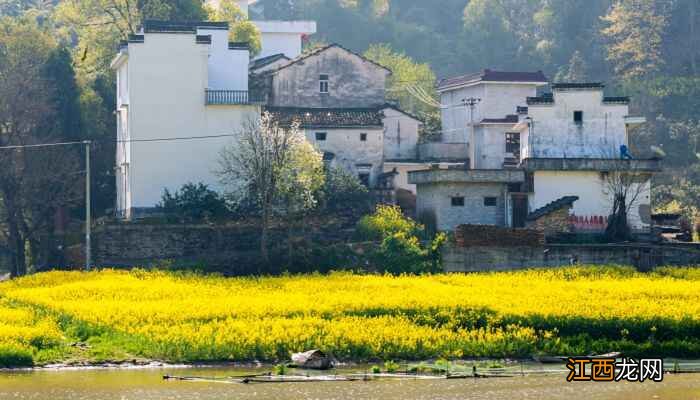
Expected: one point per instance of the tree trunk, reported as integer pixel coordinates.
(16, 244)
(16, 240)
(263, 236)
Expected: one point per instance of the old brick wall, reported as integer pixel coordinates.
(552, 223)
(490, 235)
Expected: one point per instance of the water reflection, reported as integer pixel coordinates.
(147, 384)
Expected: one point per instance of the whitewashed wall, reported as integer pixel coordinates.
(167, 77)
(349, 150)
(283, 36)
(227, 69)
(594, 199)
(556, 135)
(400, 135)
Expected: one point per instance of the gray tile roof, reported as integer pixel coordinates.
(558, 204)
(493, 76)
(328, 117)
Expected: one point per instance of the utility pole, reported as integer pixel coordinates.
(88, 218)
(471, 102)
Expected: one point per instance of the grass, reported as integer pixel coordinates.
(183, 317)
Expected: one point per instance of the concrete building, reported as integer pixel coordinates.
(176, 81)
(567, 143)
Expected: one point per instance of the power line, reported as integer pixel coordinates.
(23, 146)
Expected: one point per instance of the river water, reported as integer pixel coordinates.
(147, 384)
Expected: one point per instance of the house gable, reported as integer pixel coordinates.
(352, 80)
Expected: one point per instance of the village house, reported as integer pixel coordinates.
(172, 84)
(182, 91)
(531, 156)
(339, 98)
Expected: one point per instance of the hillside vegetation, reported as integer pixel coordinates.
(117, 315)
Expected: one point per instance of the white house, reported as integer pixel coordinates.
(526, 153)
(176, 81)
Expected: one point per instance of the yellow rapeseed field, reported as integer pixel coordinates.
(187, 317)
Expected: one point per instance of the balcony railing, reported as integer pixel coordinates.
(226, 97)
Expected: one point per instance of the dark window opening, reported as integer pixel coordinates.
(363, 137)
(490, 201)
(513, 144)
(320, 136)
(514, 187)
(364, 178)
(578, 117)
(457, 201)
(323, 83)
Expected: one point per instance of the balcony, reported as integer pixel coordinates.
(231, 97)
(591, 164)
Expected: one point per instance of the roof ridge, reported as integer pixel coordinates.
(318, 50)
(551, 207)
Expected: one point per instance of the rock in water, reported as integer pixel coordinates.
(312, 359)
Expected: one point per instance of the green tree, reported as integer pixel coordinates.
(576, 71)
(411, 84)
(634, 31)
(68, 121)
(241, 29)
(34, 182)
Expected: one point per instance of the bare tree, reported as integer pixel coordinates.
(254, 165)
(624, 185)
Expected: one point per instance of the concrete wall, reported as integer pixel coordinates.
(490, 145)
(435, 199)
(400, 135)
(458, 259)
(350, 151)
(353, 82)
(283, 36)
(401, 180)
(167, 77)
(556, 135)
(594, 199)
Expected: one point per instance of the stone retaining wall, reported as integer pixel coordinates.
(494, 258)
(491, 235)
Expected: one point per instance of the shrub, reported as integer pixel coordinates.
(193, 203)
(343, 191)
(386, 221)
(15, 356)
(401, 249)
(391, 366)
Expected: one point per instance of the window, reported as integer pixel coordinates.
(364, 178)
(513, 144)
(490, 201)
(363, 137)
(457, 201)
(323, 83)
(320, 136)
(578, 117)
